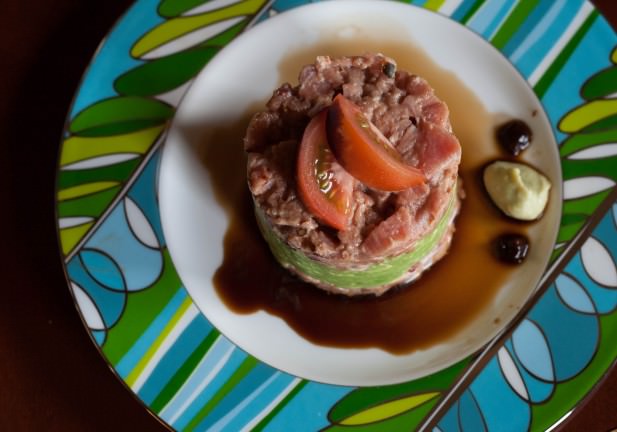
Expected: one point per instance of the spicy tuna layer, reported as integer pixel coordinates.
(383, 224)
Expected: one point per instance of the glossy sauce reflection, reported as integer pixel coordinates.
(428, 311)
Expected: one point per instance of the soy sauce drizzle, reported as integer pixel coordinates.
(405, 319)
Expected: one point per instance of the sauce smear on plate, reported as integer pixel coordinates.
(426, 312)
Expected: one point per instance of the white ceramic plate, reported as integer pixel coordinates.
(244, 73)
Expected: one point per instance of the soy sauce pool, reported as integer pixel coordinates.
(428, 311)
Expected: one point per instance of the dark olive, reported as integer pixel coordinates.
(389, 69)
(514, 136)
(511, 248)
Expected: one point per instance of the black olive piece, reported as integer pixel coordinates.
(514, 136)
(389, 69)
(511, 248)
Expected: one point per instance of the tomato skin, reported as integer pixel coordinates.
(365, 152)
(324, 187)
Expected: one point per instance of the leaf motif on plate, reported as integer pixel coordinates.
(511, 373)
(120, 115)
(589, 154)
(174, 8)
(581, 142)
(587, 115)
(388, 409)
(598, 262)
(85, 189)
(584, 186)
(597, 152)
(164, 74)
(574, 295)
(178, 27)
(88, 308)
(382, 407)
(90, 205)
(139, 224)
(575, 214)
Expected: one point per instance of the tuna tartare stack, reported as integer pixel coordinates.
(354, 175)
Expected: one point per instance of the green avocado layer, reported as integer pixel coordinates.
(375, 275)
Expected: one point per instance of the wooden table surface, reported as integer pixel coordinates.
(52, 378)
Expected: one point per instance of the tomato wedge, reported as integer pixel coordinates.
(324, 186)
(364, 151)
